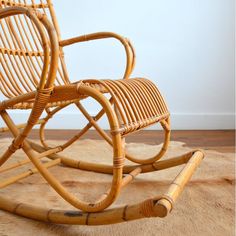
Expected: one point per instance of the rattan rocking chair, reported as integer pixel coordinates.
(33, 76)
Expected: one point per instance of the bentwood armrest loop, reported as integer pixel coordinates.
(130, 52)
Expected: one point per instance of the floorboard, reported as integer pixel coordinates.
(219, 140)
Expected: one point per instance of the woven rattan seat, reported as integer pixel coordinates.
(33, 76)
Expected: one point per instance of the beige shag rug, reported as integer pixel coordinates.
(206, 207)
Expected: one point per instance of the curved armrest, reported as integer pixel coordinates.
(130, 53)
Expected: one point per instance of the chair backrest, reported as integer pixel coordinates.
(21, 51)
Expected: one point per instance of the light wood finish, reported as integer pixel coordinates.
(34, 76)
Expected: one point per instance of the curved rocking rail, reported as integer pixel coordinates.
(158, 206)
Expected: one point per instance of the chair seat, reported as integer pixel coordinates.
(138, 101)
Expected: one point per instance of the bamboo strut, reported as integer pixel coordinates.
(126, 180)
(130, 176)
(12, 166)
(49, 152)
(39, 156)
(20, 126)
(12, 180)
(92, 122)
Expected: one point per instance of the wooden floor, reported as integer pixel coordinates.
(219, 140)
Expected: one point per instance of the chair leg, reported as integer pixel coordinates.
(160, 154)
(118, 158)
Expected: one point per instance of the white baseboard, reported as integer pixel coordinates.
(211, 121)
(179, 121)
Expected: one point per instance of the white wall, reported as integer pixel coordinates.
(186, 47)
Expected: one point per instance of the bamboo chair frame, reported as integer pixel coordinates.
(35, 77)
